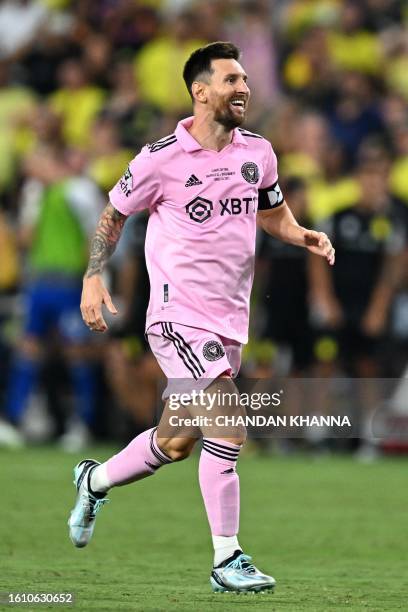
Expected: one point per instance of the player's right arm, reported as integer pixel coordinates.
(138, 189)
(94, 292)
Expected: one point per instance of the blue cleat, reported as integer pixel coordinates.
(81, 522)
(237, 574)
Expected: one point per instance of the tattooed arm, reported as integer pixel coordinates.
(94, 292)
(104, 242)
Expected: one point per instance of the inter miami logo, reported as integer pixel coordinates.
(126, 182)
(213, 350)
(199, 209)
(250, 172)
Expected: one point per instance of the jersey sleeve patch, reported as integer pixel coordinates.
(139, 187)
(270, 197)
(126, 182)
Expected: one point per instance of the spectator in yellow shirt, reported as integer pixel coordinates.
(77, 102)
(159, 65)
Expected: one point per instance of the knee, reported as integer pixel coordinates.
(242, 438)
(178, 454)
(176, 448)
(238, 437)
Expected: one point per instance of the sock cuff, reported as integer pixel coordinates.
(160, 455)
(97, 494)
(224, 541)
(221, 449)
(224, 443)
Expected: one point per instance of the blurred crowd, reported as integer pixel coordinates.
(84, 84)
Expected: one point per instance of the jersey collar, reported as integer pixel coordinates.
(189, 144)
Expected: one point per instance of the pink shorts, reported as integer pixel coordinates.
(192, 358)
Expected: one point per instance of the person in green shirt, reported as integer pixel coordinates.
(60, 207)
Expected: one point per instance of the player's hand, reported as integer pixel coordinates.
(94, 294)
(329, 311)
(373, 322)
(319, 243)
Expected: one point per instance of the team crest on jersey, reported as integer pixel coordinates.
(126, 182)
(199, 209)
(250, 172)
(213, 350)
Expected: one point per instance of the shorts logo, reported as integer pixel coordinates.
(213, 350)
(250, 172)
(199, 209)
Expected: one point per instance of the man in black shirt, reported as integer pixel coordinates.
(354, 297)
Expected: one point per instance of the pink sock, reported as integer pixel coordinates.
(141, 458)
(219, 484)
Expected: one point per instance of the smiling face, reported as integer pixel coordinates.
(226, 93)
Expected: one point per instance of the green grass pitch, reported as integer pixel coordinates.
(332, 532)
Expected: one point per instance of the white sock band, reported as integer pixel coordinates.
(99, 479)
(224, 547)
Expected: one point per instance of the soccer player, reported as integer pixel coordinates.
(206, 186)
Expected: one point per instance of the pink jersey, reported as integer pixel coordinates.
(200, 241)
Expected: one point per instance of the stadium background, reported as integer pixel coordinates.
(83, 85)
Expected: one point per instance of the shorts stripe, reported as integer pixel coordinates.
(193, 359)
(181, 351)
(188, 348)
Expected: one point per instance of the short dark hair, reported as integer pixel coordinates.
(200, 60)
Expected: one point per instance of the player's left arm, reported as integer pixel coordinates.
(390, 279)
(280, 223)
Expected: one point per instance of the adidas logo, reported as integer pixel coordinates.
(193, 180)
